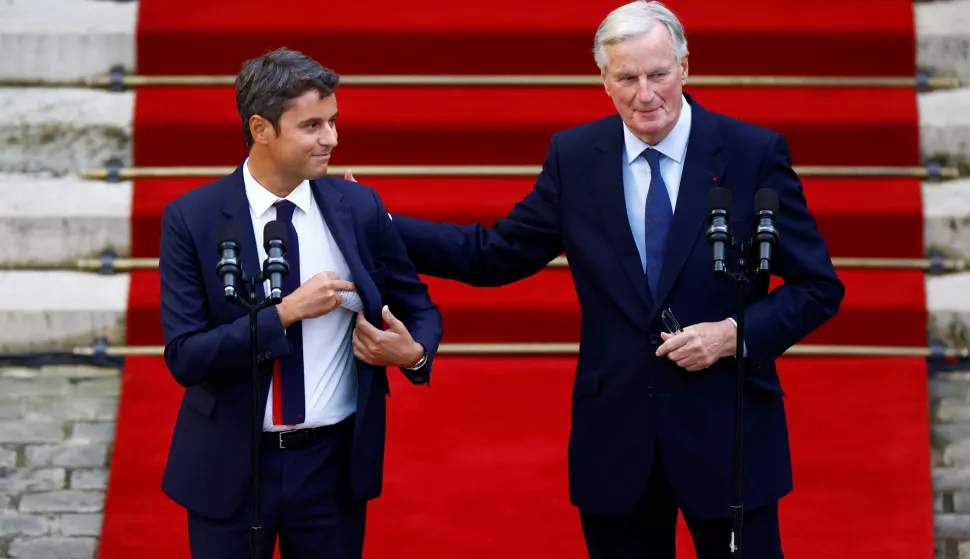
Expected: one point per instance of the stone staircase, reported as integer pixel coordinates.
(56, 422)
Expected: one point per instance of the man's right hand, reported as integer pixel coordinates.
(317, 297)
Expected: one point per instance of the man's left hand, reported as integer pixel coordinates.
(386, 348)
(700, 345)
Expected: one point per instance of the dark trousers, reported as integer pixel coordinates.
(650, 533)
(305, 501)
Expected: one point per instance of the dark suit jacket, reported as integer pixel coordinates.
(625, 399)
(207, 337)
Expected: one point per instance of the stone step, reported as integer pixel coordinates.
(948, 307)
(80, 219)
(59, 131)
(45, 220)
(943, 37)
(59, 310)
(946, 211)
(65, 39)
(945, 126)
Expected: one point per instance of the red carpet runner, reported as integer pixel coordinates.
(476, 464)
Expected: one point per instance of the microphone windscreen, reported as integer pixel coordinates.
(766, 199)
(227, 232)
(275, 230)
(719, 198)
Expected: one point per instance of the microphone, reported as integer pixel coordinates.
(275, 238)
(766, 212)
(228, 266)
(718, 202)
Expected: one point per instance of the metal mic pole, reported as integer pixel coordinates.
(254, 306)
(737, 507)
(719, 200)
(256, 533)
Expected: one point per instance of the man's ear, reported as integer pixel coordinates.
(261, 129)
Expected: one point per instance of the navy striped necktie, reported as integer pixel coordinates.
(289, 401)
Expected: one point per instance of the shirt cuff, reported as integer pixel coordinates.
(351, 300)
(745, 348)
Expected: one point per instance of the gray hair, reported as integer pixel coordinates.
(633, 19)
(266, 86)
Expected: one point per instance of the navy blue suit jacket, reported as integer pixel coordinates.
(207, 337)
(624, 397)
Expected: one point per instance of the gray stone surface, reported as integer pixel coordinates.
(47, 310)
(943, 37)
(48, 220)
(60, 547)
(67, 455)
(53, 457)
(950, 435)
(945, 125)
(948, 305)
(62, 501)
(946, 211)
(79, 525)
(60, 131)
(65, 38)
(89, 479)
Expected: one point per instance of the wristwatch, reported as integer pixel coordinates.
(420, 363)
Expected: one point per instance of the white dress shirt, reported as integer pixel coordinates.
(636, 176)
(636, 173)
(329, 368)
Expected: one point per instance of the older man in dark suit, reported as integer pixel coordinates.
(625, 197)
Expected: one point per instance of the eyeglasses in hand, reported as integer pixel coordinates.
(673, 326)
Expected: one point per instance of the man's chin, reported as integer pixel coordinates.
(317, 172)
(643, 129)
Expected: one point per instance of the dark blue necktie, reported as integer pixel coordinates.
(657, 217)
(288, 393)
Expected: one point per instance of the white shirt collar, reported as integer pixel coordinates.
(261, 199)
(673, 146)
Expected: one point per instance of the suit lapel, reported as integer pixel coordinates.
(340, 221)
(236, 208)
(612, 205)
(701, 166)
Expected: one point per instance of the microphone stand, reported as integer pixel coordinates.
(253, 306)
(737, 508)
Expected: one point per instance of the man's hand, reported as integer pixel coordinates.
(699, 346)
(386, 348)
(349, 176)
(317, 297)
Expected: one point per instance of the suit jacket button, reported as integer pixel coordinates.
(654, 339)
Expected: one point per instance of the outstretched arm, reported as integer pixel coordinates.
(516, 247)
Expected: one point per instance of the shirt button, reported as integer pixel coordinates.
(654, 339)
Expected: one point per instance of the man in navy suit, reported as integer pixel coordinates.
(323, 353)
(625, 198)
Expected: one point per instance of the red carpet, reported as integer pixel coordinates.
(544, 308)
(493, 431)
(514, 37)
(426, 126)
(874, 217)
